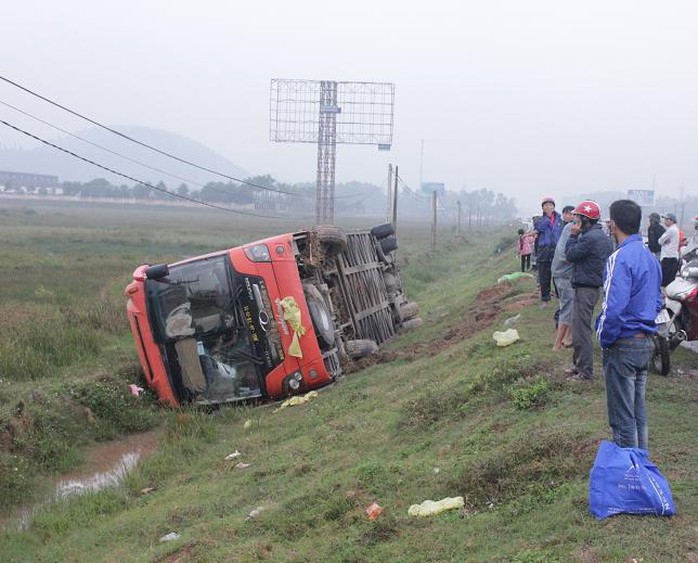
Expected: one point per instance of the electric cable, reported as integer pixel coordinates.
(141, 182)
(135, 161)
(141, 143)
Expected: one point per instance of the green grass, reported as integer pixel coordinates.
(445, 413)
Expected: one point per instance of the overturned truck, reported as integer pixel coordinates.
(268, 319)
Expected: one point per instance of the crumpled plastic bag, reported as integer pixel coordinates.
(511, 320)
(373, 510)
(430, 507)
(507, 337)
(297, 400)
(292, 314)
(514, 276)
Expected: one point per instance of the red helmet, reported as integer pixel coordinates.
(589, 209)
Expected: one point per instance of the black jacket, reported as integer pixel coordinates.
(654, 231)
(588, 252)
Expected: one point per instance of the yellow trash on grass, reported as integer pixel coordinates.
(507, 337)
(430, 507)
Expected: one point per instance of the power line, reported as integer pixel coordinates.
(409, 191)
(141, 143)
(135, 161)
(146, 184)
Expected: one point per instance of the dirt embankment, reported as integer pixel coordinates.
(481, 314)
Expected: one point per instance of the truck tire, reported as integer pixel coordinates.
(356, 349)
(412, 324)
(388, 244)
(409, 311)
(382, 231)
(332, 239)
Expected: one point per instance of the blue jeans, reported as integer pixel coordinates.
(625, 365)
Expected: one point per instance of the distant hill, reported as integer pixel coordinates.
(46, 160)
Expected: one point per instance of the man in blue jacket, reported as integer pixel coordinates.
(587, 248)
(632, 300)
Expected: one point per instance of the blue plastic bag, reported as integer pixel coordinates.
(625, 481)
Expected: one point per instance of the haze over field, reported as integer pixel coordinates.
(523, 98)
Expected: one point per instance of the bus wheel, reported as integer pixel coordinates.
(409, 311)
(332, 239)
(356, 349)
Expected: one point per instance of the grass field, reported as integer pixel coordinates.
(441, 412)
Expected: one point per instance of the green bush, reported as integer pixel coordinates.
(113, 410)
(530, 395)
(16, 479)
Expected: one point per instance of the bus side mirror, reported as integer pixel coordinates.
(157, 272)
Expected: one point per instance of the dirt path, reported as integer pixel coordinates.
(482, 313)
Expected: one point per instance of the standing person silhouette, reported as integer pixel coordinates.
(632, 299)
(587, 248)
(549, 228)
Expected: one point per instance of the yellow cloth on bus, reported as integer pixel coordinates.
(292, 314)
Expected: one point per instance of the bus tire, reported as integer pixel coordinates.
(332, 239)
(382, 231)
(356, 349)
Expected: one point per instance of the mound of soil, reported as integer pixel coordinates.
(482, 313)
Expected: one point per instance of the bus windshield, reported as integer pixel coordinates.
(196, 317)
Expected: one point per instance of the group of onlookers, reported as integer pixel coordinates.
(580, 256)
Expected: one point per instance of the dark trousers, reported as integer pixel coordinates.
(544, 278)
(585, 299)
(525, 262)
(669, 268)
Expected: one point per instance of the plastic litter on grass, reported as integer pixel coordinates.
(507, 337)
(513, 277)
(295, 401)
(430, 507)
(373, 510)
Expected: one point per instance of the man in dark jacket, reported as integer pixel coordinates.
(654, 231)
(587, 248)
(549, 228)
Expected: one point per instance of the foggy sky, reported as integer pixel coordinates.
(524, 97)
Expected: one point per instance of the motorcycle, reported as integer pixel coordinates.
(678, 319)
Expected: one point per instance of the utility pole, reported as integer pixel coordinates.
(421, 164)
(683, 207)
(389, 207)
(459, 216)
(433, 219)
(394, 221)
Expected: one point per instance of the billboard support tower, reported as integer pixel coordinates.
(328, 112)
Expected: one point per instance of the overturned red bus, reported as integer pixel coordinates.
(267, 319)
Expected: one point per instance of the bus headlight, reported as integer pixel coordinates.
(258, 253)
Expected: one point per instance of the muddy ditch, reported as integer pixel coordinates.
(107, 465)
